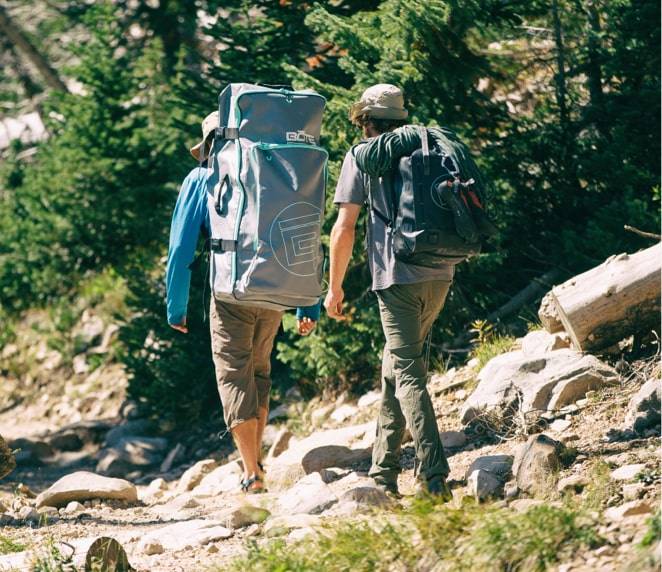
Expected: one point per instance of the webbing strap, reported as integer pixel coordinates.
(227, 132)
(222, 245)
(425, 146)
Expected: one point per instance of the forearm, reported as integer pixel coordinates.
(342, 245)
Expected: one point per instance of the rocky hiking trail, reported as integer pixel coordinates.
(539, 425)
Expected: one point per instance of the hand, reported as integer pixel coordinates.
(181, 327)
(305, 325)
(333, 304)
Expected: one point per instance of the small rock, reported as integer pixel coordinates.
(369, 399)
(66, 441)
(482, 485)
(244, 515)
(193, 475)
(79, 364)
(644, 408)
(152, 547)
(173, 457)
(128, 430)
(281, 525)
(212, 549)
(73, 507)
(573, 483)
(461, 394)
(31, 451)
(278, 412)
(511, 490)
(473, 363)
(453, 439)
(365, 496)
(344, 412)
(319, 415)
(499, 465)
(632, 508)
(633, 491)
(627, 472)
(523, 505)
(29, 514)
(333, 474)
(536, 461)
(131, 454)
(26, 491)
(560, 425)
(280, 444)
(540, 342)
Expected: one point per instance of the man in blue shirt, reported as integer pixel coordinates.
(242, 336)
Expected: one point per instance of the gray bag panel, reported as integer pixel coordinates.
(271, 189)
(290, 182)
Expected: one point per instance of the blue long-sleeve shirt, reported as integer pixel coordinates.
(189, 218)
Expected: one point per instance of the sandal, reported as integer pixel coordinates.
(246, 485)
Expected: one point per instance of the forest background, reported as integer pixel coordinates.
(559, 101)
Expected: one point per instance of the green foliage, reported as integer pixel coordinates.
(96, 190)
(654, 532)
(7, 545)
(487, 343)
(572, 155)
(428, 536)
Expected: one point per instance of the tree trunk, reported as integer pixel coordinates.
(612, 301)
(21, 42)
(561, 90)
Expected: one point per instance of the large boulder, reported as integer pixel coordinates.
(644, 407)
(333, 448)
(132, 454)
(536, 461)
(82, 486)
(547, 381)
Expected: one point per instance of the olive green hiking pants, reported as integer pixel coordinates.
(407, 313)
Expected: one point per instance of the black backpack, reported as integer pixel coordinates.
(436, 216)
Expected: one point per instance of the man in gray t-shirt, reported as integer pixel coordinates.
(410, 299)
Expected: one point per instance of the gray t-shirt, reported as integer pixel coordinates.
(385, 269)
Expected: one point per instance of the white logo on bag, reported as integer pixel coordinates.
(295, 238)
(299, 137)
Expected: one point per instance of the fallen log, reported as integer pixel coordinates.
(612, 301)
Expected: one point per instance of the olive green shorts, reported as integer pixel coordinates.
(242, 338)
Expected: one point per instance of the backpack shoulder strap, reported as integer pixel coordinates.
(425, 147)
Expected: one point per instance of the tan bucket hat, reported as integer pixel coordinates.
(382, 101)
(209, 123)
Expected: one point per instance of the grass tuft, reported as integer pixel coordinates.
(7, 545)
(428, 536)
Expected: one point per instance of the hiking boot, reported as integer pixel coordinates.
(389, 488)
(437, 488)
